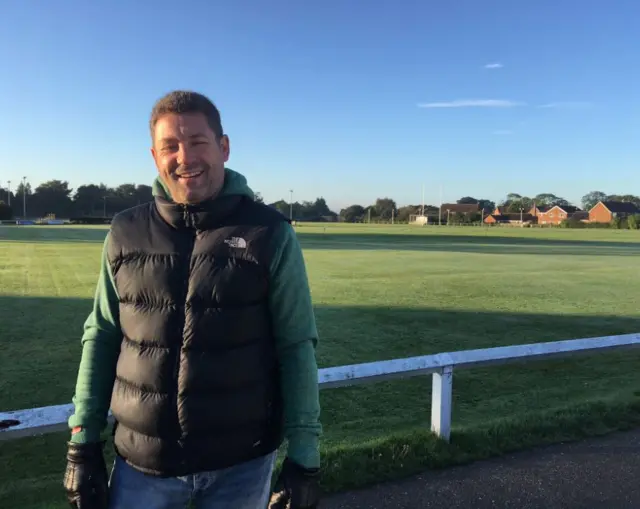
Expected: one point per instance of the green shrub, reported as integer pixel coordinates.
(616, 223)
(572, 223)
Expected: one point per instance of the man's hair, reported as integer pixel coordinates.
(185, 101)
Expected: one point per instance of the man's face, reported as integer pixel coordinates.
(189, 157)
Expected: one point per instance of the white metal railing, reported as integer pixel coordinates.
(38, 421)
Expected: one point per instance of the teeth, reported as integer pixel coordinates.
(190, 174)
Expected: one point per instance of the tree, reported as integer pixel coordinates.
(515, 203)
(5, 211)
(616, 223)
(384, 208)
(21, 187)
(6, 196)
(487, 206)
(467, 200)
(51, 197)
(281, 206)
(591, 199)
(318, 211)
(89, 199)
(549, 200)
(143, 194)
(17, 203)
(352, 214)
(126, 191)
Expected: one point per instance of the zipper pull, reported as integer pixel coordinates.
(186, 215)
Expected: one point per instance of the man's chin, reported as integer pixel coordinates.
(195, 196)
(192, 195)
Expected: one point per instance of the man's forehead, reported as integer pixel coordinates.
(179, 126)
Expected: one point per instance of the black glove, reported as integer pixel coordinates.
(85, 479)
(296, 487)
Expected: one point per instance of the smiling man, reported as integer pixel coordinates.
(201, 341)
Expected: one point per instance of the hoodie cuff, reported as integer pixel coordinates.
(85, 436)
(303, 450)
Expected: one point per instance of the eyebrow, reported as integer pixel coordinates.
(173, 139)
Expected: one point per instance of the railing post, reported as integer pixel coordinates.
(441, 394)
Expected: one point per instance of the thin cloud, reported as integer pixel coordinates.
(494, 65)
(567, 105)
(472, 103)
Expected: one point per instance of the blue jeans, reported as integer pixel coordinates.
(244, 486)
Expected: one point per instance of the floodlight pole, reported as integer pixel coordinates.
(291, 204)
(24, 197)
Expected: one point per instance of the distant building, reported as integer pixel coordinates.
(557, 214)
(607, 211)
(543, 215)
(536, 211)
(509, 218)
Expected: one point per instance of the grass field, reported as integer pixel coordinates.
(380, 292)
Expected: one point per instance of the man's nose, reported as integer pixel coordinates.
(185, 155)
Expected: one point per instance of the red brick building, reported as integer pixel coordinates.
(543, 215)
(557, 214)
(536, 211)
(606, 211)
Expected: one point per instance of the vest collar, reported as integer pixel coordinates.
(203, 216)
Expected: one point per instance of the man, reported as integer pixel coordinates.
(201, 340)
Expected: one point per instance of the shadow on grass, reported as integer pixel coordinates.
(372, 433)
(472, 243)
(60, 234)
(353, 334)
(451, 243)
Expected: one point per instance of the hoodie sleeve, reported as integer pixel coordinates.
(100, 350)
(296, 336)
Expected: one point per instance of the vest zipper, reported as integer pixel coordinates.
(189, 223)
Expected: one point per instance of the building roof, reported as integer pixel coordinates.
(580, 214)
(514, 216)
(461, 208)
(569, 209)
(542, 208)
(621, 207)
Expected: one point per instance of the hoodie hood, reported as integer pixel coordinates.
(234, 184)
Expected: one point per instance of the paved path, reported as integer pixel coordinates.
(602, 473)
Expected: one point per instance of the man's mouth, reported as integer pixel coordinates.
(189, 174)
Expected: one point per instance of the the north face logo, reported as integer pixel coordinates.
(238, 242)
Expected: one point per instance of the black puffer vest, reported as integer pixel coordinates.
(197, 381)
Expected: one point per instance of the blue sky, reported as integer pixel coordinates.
(350, 100)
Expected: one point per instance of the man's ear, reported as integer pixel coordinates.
(225, 146)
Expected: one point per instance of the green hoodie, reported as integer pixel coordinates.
(294, 328)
